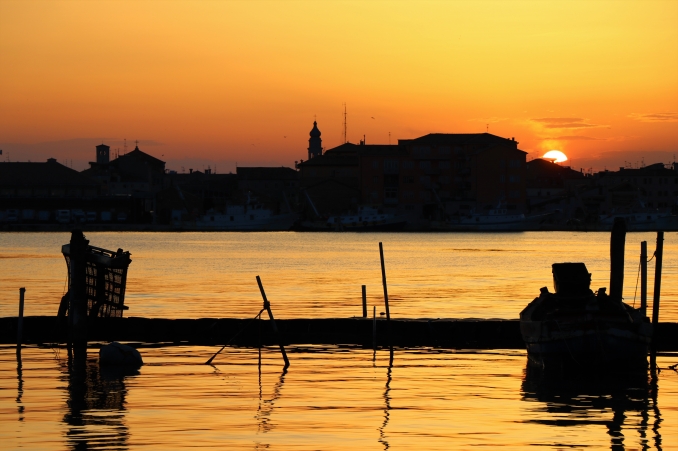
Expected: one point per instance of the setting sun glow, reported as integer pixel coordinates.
(556, 155)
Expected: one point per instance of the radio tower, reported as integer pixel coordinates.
(345, 135)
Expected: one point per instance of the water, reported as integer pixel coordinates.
(319, 275)
(331, 397)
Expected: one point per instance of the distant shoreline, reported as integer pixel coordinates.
(169, 228)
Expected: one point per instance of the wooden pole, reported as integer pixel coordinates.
(643, 277)
(383, 279)
(658, 254)
(617, 242)
(20, 320)
(374, 327)
(267, 306)
(77, 311)
(364, 301)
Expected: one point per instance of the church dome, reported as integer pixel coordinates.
(315, 133)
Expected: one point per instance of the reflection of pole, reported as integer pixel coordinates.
(383, 279)
(643, 277)
(387, 403)
(267, 306)
(20, 320)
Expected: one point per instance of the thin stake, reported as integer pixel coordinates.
(657, 288)
(383, 279)
(364, 301)
(233, 337)
(20, 320)
(643, 277)
(374, 327)
(267, 307)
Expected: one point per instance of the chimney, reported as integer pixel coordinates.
(190, 171)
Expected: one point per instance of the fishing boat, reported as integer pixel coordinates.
(243, 218)
(367, 218)
(576, 325)
(496, 219)
(640, 221)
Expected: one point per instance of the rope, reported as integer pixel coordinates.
(234, 336)
(636, 292)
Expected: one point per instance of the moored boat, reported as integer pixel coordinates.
(365, 219)
(576, 325)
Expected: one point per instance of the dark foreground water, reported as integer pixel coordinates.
(330, 398)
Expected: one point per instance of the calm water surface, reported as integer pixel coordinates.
(318, 275)
(329, 399)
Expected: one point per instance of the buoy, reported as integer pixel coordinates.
(119, 354)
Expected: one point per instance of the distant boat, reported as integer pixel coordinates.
(244, 217)
(641, 221)
(496, 219)
(367, 218)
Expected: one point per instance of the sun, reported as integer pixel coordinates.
(556, 155)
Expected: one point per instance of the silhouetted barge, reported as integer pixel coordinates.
(575, 325)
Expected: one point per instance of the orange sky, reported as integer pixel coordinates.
(203, 83)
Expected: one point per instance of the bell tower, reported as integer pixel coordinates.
(315, 148)
(103, 154)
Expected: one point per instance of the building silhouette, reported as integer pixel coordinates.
(315, 148)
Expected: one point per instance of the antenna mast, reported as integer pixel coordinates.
(124, 147)
(345, 135)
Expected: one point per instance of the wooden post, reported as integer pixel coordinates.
(267, 306)
(77, 311)
(20, 320)
(374, 327)
(643, 277)
(617, 242)
(364, 301)
(657, 279)
(383, 279)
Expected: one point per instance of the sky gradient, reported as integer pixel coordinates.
(220, 83)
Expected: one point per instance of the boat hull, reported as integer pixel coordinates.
(324, 226)
(588, 346)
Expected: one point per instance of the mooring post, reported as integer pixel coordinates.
(617, 244)
(20, 320)
(657, 287)
(643, 277)
(374, 327)
(267, 306)
(383, 279)
(77, 311)
(364, 301)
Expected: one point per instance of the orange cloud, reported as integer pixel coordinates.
(655, 117)
(564, 122)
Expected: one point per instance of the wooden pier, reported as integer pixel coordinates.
(443, 333)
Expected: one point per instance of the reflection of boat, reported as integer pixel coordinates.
(610, 399)
(575, 325)
(498, 219)
(365, 219)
